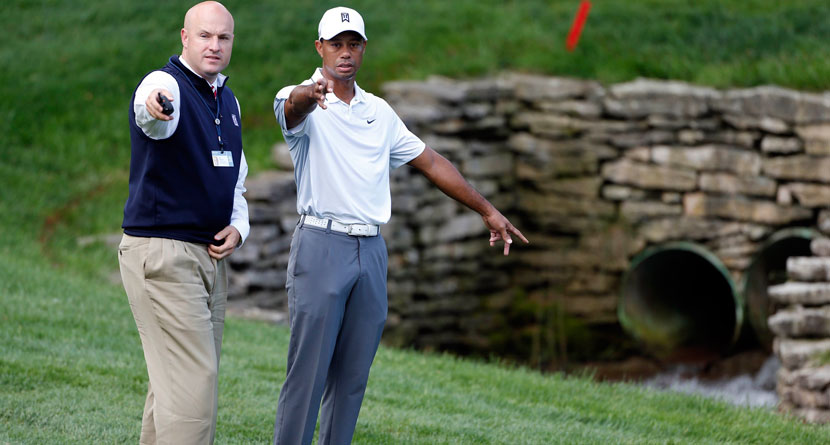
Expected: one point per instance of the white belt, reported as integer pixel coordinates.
(350, 229)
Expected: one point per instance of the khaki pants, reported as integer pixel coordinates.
(177, 294)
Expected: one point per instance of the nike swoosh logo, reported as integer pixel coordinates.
(370, 122)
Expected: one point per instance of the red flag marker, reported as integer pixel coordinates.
(579, 22)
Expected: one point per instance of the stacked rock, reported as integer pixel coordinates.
(257, 280)
(592, 174)
(802, 329)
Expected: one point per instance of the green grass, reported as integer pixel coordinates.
(71, 369)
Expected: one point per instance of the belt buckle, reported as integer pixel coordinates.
(358, 230)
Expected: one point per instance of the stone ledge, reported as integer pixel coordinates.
(795, 354)
(798, 322)
(810, 378)
(809, 294)
(820, 246)
(809, 269)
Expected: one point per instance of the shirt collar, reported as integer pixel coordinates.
(331, 97)
(220, 78)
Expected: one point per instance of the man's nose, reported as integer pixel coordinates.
(214, 44)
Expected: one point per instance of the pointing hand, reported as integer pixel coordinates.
(319, 90)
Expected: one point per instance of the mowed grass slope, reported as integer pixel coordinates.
(71, 369)
(71, 372)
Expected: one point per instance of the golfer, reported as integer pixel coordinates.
(343, 142)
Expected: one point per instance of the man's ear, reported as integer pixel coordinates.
(184, 38)
(318, 44)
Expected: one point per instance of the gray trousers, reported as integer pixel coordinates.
(337, 308)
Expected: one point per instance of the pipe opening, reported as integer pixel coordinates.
(679, 301)
(767, 268)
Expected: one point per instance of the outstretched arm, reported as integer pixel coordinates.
(304, 99)
(446, 177)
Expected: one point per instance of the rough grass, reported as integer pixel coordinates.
(71, 371)
(71, 368)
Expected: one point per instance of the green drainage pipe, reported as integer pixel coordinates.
(679, 301)
(769, 267)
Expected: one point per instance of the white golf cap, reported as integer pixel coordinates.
(339, 19)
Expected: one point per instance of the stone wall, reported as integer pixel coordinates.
(592, 175)
(802, 328)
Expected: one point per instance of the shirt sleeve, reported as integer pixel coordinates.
(279, 113)
(152, 127)
(406, 147)
(239, 216)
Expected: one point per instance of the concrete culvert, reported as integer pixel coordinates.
(767, 268)
(680, 302)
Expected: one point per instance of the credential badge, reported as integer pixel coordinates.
(344, 17)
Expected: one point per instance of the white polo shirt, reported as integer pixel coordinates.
(343, 155)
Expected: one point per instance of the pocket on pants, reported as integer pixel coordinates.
(295, 252)
(129, 242)
(132, 255)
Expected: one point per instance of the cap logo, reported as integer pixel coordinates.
(344, 17)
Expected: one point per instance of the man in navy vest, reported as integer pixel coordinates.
(184, 215)
(343, 142)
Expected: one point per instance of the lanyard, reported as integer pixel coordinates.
(207, 107)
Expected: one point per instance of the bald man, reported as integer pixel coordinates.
(184, 215)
